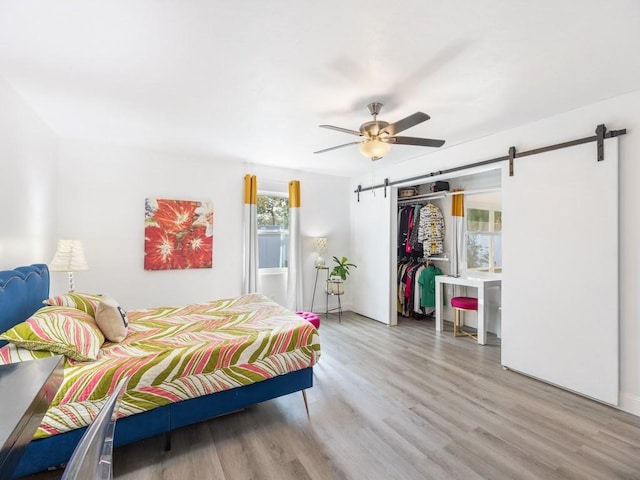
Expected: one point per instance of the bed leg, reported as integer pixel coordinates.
(167, 441)
(306, 405)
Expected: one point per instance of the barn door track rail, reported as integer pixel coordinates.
(599, 137)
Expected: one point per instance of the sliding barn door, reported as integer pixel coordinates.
(560, 280)
(370, 283)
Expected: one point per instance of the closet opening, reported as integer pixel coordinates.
(454, 234)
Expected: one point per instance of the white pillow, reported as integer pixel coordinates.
(112, 319)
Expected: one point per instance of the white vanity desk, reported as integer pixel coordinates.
(479, 282)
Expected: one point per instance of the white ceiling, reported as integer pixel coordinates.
(251, 80)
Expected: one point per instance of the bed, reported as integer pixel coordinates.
(186, 364)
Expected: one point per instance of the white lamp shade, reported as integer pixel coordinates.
(374, 148)
(319, 244)
(69, 257)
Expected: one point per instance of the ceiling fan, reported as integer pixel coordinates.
(377, 135)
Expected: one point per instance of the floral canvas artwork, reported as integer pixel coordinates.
(178, 234)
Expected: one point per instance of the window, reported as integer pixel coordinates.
(273, 230)
(483, 240)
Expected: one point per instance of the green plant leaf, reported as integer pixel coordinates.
(342, 267)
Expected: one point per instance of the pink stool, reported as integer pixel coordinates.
(463, 304)
(311, 317)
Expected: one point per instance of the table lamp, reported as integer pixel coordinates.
(69, 257)
(320, 246)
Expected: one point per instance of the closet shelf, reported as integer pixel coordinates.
(424, 196)
(444, 194)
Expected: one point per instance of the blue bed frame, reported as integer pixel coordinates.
(21, 293)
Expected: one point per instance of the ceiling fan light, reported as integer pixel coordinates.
(374, 148)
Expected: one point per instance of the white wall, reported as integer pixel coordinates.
(616, 113)
(28, 156)
(101, 198)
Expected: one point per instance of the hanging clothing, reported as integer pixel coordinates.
(410, 292)
(407, 286)
(416, 246)
(417, 291)
(403, 227)
(431, 230)
(404, 298)
(410, 227)
(421, 233)
(427, 282)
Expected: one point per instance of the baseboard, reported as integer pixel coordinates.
(630, 403)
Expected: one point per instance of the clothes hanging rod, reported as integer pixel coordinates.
(601, 134)
(425, 259)
(437, 259)
(421, 198)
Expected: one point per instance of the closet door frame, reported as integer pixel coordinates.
(445, 207)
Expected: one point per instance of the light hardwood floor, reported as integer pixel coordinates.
(401, 402)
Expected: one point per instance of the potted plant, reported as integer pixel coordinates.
(339, 275)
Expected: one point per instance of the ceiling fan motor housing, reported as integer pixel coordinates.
(372, 129)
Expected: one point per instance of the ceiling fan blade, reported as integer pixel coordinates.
(406, 122)
(340, 129)
(421, 142)
(336, 147)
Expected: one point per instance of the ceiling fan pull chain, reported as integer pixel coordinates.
(373, 177)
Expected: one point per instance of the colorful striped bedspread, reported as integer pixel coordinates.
(173, 354)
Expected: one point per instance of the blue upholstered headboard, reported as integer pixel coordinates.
(22, 291)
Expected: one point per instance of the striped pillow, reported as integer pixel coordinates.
(87, 302)
(62, 330)
(10, 353)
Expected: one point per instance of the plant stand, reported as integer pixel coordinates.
(315, 285)
(336, 292)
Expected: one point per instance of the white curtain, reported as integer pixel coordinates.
(250, 237)
(294, 279)
(457, 254)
